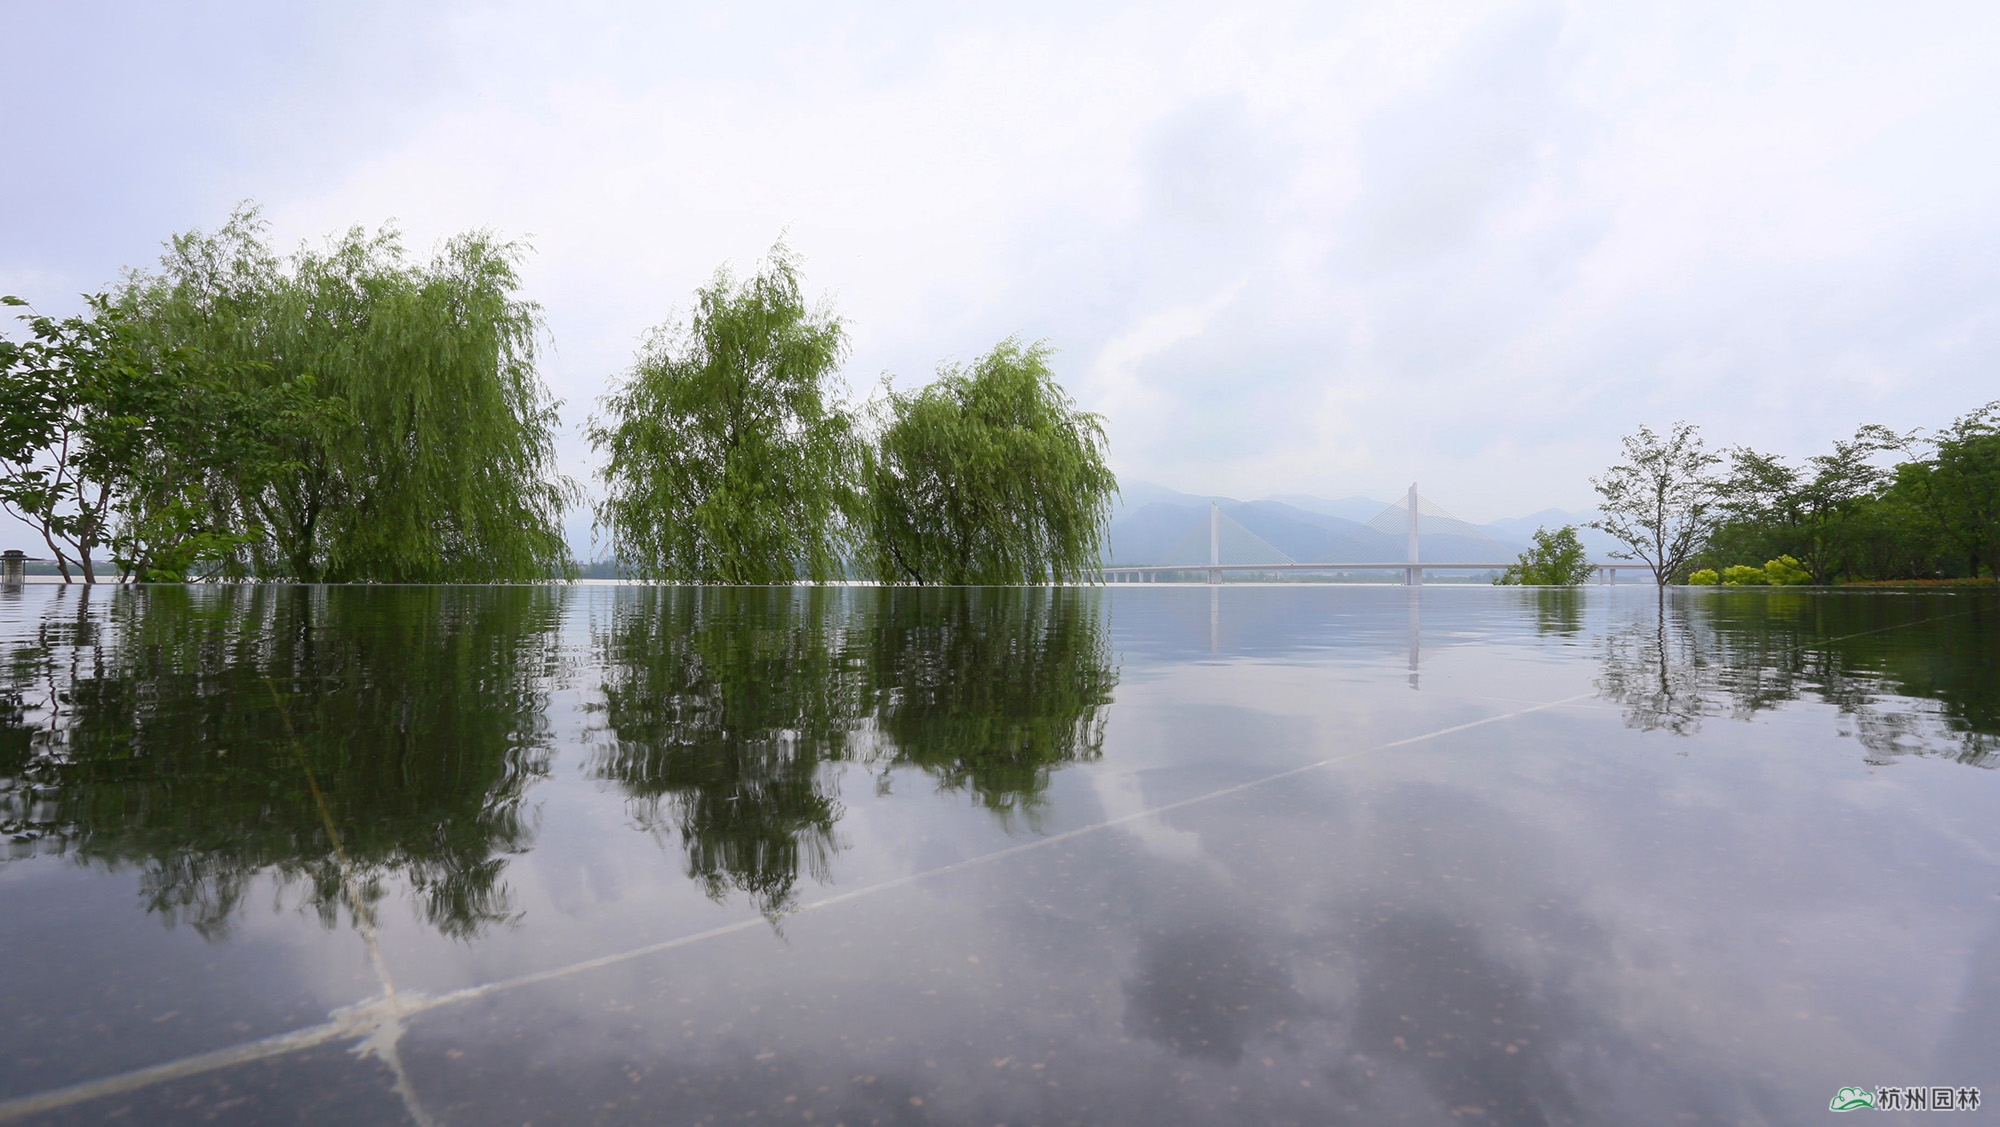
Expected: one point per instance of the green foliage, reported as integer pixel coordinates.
(731, 458)
(1811, 515)
(1704, 577)
(113, 441)
(1935, 514)
(194, 732)
(1663, 500)
(1785, 572)
(1743, 575)
(725, 708)
(65, 436)
(1781, 572)
(1556, 560)
(1961, 487)
(412, 438)
(989, 475)
(989, 691)
(1867, 658)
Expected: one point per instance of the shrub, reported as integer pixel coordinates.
(1743, 575)
(1706, 577)
(1785, 572)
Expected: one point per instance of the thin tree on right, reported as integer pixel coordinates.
(1663, 500)
(989, 475)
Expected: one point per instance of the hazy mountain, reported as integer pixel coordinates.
(1152, 522)
(1599, 545)
(1361, 510)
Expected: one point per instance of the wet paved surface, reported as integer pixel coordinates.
(1150, 855)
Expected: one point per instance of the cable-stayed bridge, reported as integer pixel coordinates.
(1412, 535)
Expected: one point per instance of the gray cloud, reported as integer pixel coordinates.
(1284, 249)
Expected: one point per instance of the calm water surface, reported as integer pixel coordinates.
(1141, 855)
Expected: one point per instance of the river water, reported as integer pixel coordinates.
(1143, 855)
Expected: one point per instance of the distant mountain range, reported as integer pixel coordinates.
(1153, 524)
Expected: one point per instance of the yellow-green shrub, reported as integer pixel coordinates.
(1706, 577)
(1785, 572)
(1743, 575)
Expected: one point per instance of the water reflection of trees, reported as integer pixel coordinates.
(147, 733)
(986, 691)
(725, 709)
(1558, 610)
(720, 707)
(1912, 674)
(1659, 672)
(143, 728)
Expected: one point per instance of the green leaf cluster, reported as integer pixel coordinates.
(1556, 560)
(1933, 512)
(342, 414)
(324, 740)
(107, 442)
(989, 475)
(725, 707)
(413, 438)
(65, 434)
(733, 457)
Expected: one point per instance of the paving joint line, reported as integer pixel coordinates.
(378, 1020)
(374, 1019)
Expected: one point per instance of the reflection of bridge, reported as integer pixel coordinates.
(1453, 545)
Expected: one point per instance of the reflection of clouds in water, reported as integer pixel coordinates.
(1975, 1026)
(1205, 989)
(1122, 796)
(1349, 951)
(1477, 1031)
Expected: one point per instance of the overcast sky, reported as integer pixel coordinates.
(1320, 248)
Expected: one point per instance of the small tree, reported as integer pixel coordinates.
(63, 441)
(1662, 501)
(1556, 560)
(111, 442)
(990, 475)
(732, 458)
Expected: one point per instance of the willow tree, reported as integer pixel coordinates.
(990, 475)
(732, 457)
(439, 465)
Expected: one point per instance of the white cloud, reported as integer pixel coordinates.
(1283, 247)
